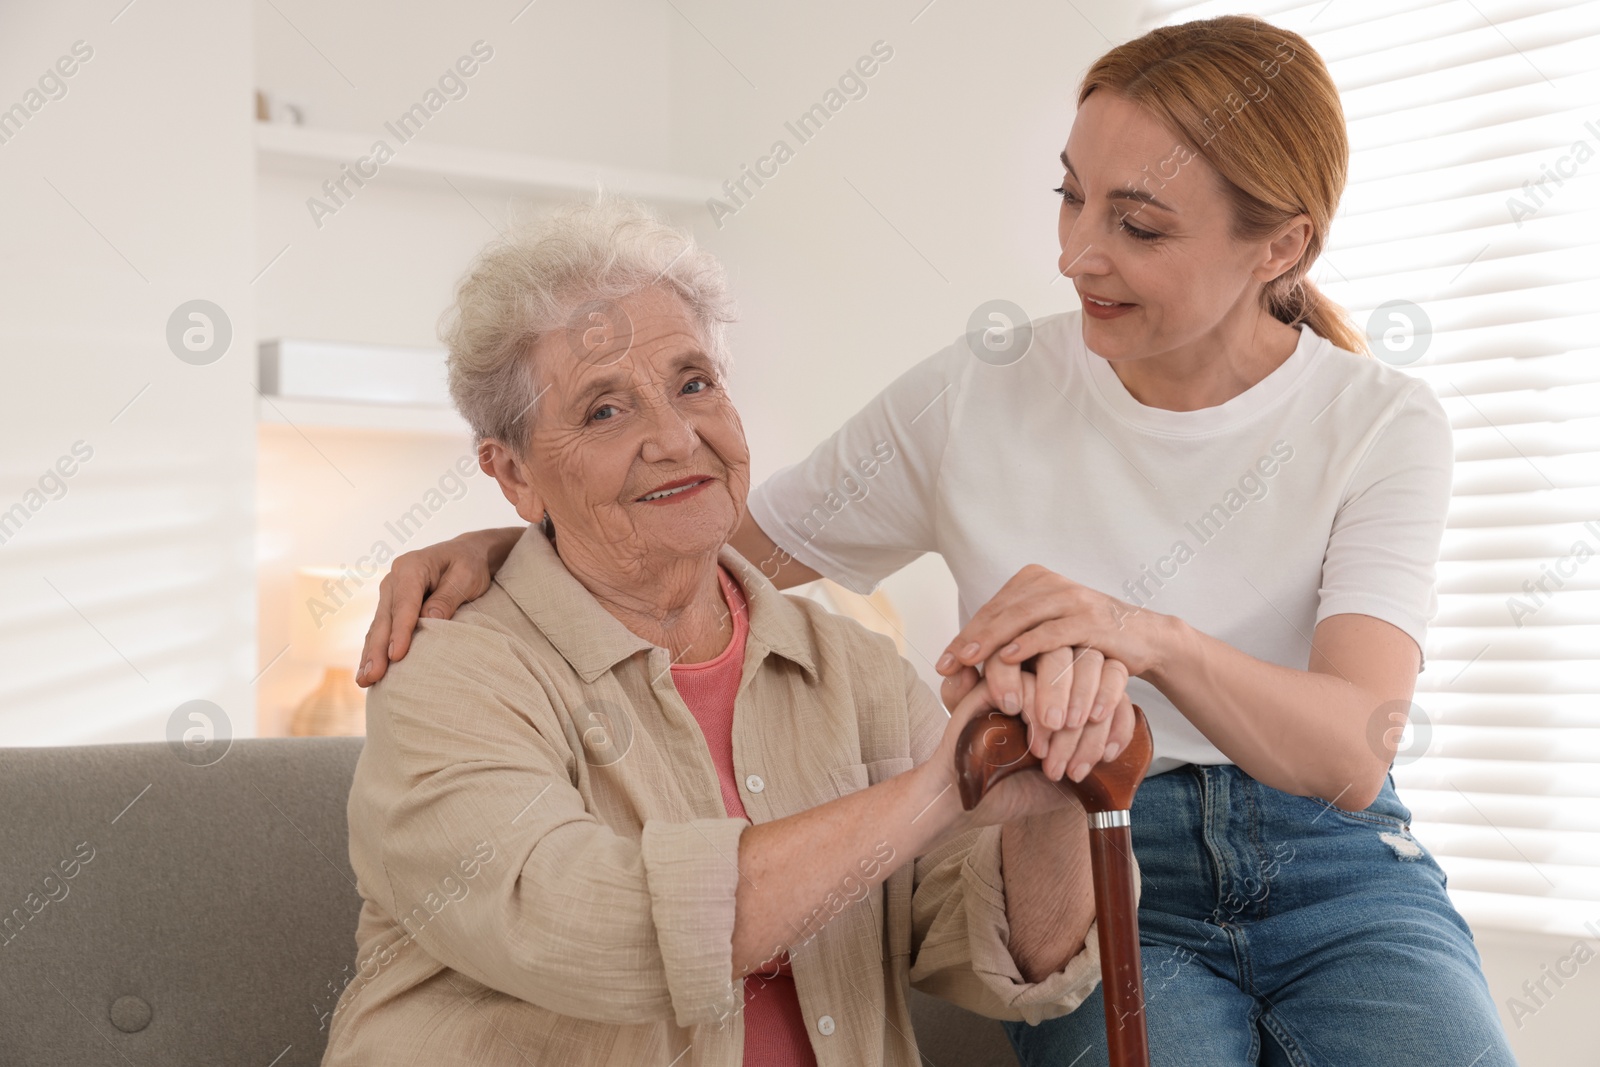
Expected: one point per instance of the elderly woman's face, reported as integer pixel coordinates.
(636, 451)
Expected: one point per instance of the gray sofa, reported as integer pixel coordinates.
(154, 912)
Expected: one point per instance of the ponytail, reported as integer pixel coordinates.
(1296, 300)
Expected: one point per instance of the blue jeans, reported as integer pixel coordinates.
(1278, 930)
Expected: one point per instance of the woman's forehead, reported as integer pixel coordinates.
(1115, 138)
(1146, 163)
(638, 335)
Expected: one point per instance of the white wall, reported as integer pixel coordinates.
(1547, 990)
(134, 591)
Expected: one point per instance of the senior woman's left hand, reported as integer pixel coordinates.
(1066, 625)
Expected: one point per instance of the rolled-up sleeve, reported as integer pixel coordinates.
(960, 933)
(960, 925)
(692, 872)
(464, 752)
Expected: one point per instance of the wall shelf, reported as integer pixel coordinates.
(354, 386)
(350, 415)
(282, 148)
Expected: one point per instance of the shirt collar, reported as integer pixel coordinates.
(593, 641)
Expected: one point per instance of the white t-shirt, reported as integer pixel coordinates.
(1320, 490)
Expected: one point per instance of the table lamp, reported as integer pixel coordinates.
(329, 618)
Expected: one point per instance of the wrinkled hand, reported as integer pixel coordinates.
(453, 571)
(1071, 751)
(1037, 790)
(1083, 643)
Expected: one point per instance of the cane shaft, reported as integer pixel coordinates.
(993, 747)
(1121, 977)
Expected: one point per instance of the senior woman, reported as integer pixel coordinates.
(1202, 477)
(634, 805)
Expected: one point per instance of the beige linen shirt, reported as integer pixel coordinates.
(548, 873)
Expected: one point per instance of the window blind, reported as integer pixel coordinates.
(1474, 198)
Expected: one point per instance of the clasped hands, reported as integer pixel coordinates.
(1080, 645)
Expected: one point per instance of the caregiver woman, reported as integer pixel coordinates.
(1198, 477)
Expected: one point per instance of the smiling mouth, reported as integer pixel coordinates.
(662, 494)
(1104, 303)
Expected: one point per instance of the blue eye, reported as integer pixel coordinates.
(704, 385)
(599, 415)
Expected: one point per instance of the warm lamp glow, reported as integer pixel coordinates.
(329, 618)
(331, 612)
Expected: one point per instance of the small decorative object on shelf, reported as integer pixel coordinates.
(332, 607)
(270, 108)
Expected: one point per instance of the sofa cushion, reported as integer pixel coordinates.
(156, 911)
(153, 911)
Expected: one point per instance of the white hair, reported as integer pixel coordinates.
(533, 281)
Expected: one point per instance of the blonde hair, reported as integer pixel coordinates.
(537, 278)
(1210, 81)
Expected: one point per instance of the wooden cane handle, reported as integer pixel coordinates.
(994, 746)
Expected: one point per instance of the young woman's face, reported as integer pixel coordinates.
(1144, 223)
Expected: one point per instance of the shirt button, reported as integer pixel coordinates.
(825, 1025)
(754, 783)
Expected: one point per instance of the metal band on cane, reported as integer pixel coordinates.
(1105, 820)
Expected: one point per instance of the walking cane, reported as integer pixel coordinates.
(995, 745)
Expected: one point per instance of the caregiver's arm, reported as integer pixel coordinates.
(1308, 732)
(432, 582)
(780, 568)
(1329, 730)
(1325, 731)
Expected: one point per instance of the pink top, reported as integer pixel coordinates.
(775, 1032)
